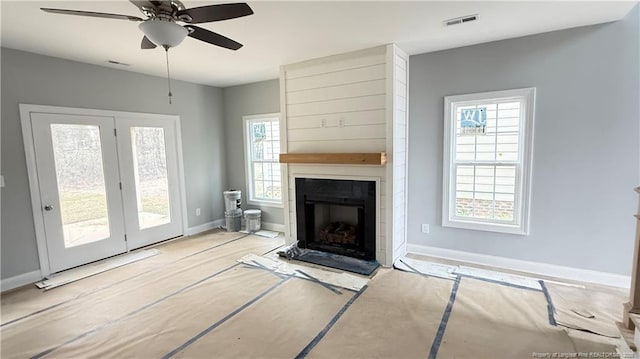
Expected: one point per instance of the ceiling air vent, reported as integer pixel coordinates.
(460, 20)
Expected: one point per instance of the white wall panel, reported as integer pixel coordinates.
(356, 118)
(367, 88)
(332, 146)
(338, 133)
(368, 73)
(362, 103)
(400, 104)
(300, 70)
(340, 170)
(400, 75)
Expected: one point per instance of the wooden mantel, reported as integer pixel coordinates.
(376, 158)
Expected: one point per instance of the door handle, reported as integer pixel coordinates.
(48, 207)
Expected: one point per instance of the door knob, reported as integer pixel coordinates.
(48, 207)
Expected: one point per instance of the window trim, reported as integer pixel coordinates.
(247, 162)
(522, 204)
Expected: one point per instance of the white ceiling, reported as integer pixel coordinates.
(280, 33)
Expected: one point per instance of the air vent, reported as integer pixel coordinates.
(117, 63)
(460, 20)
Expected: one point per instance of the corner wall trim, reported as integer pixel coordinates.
(203, 227)
(552, 270)
(20, 280)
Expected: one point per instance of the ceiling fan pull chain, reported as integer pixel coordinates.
(166, 52)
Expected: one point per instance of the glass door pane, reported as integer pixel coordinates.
(148, 155)
(77, 152)
(150, 173)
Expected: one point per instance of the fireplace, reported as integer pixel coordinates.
(337, 216)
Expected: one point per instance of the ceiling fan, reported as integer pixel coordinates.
(160, 26)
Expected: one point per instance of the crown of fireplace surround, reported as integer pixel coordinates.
(349, 104)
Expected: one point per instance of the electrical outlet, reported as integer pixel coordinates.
(425, 228)
(197, 211)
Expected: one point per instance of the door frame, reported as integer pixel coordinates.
(32, 170)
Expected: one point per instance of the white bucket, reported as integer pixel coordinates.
(232, 200)
(232, 220)
(252, 220)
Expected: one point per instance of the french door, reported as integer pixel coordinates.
(102, 185)
(149, 173)
(79, 178)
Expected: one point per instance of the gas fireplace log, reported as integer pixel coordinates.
(338, 233)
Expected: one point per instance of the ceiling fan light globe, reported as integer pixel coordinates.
(164, 33)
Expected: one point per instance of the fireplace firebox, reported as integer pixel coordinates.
(337, 216)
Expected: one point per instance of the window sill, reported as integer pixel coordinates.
(487, 227)
(265, 204)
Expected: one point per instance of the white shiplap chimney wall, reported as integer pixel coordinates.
(353, 102)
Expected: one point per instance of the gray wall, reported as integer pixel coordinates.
(252, 99)
(42, 80)
(586, 148)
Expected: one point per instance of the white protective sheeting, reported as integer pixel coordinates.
(335, 278)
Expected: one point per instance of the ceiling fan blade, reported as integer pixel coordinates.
(92, 14)
(215, 12)
(212, 38)
(147, 44)
(142, 3)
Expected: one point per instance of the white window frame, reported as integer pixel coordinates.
(246, 120)
(523, 166)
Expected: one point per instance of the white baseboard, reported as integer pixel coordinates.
(204, 227)
(20, 280)
(221, 222)
(277, 227)
(552, 270)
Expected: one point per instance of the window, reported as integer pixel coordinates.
(487, 160)
(262, 147)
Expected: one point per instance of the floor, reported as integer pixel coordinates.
(195, 300)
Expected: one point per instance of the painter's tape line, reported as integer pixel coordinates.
(259, 265)
(286, 275)
(328, 327)
(435, 346)
(507, 284)
(113, 284)
(36, 313)
(221, 321)
(72, 299)
(210, 248)
(316, 280)
(551, 309)
(146, 306)
(251, 266)
(271, 250)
